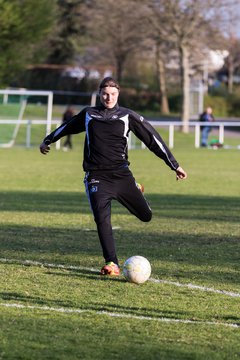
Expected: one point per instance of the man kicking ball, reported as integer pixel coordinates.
(106, 164)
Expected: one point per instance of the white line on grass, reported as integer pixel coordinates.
(197, 287)
(47, 265)
(71, 267)
(119, 315)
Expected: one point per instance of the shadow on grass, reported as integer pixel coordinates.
(90, 275)
(208, 251)
(176, 206)
(13, 296)
(187, 257)
(131, 311)
(99, 307)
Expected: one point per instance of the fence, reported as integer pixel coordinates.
(171, 125)
(28, 124)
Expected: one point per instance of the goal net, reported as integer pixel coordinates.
(19, 110)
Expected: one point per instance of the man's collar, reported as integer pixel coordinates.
(112, 109)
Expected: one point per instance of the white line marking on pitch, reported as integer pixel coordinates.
(119, 315)
(197, 287)
(71, 267)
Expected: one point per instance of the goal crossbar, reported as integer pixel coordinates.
(23, 92)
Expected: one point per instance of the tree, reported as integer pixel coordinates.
(23, 25)
(189, 25)
(162, 49)
(117, 28)
(230, 28)
(70, 35)
(161, 75)
(232, 61)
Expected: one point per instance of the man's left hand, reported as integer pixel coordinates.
(181, 174)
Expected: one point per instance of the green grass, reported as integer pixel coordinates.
(193, 238)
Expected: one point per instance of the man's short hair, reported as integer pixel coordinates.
(108, 81)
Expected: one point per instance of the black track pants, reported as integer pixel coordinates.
(102, 188)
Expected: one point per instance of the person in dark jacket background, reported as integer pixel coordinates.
(67, 116)
(206, 116)
(106, 164)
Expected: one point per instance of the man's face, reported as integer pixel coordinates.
(109, 96)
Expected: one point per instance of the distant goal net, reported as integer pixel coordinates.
(19, 110)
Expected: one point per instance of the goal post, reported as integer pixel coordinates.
(15, 131)
(26, 93)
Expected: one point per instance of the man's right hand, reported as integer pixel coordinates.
(44, 148)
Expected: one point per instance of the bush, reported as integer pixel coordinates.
(224, 106)
(218, 103)
(175, 103)
(234, 102)
(141, 100)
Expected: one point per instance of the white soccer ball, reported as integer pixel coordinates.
(137, 269)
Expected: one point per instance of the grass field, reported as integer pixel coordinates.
(54, 305)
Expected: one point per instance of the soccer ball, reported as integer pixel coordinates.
(137, 269)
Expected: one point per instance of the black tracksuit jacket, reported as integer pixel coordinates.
(107, 137)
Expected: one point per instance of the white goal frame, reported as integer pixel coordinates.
(23, 92)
